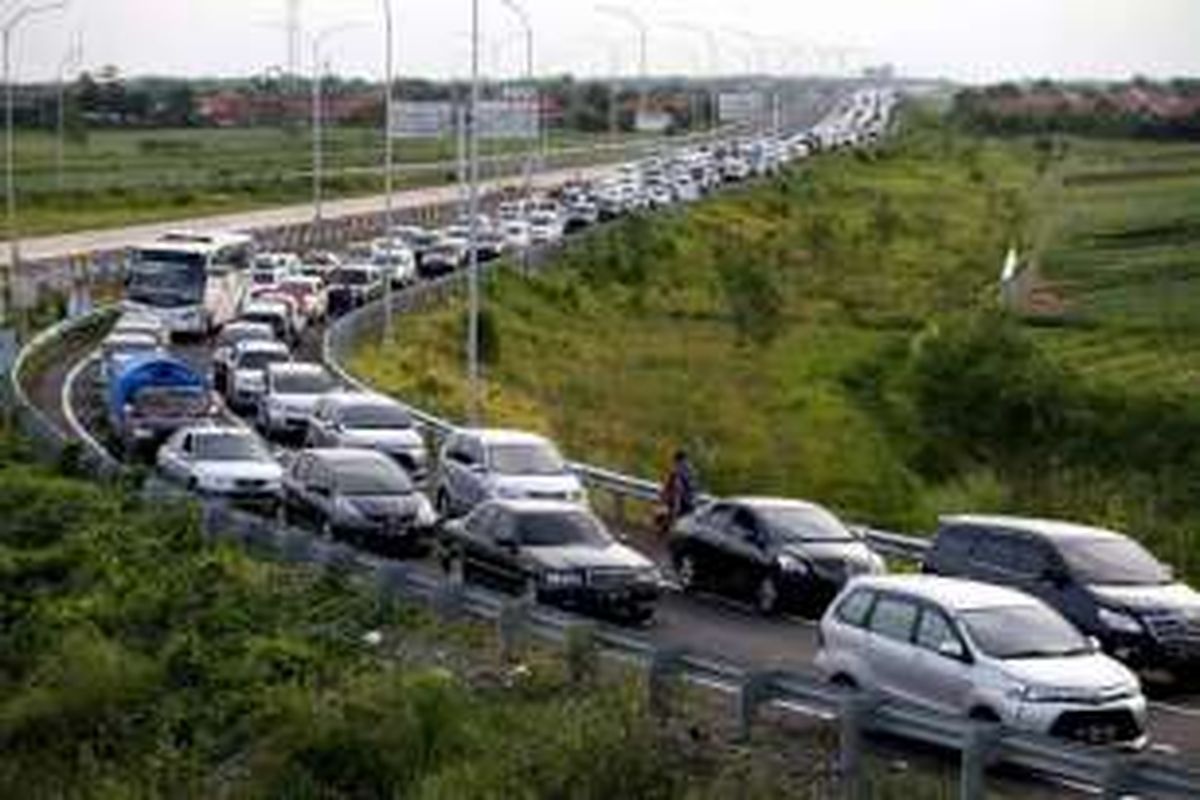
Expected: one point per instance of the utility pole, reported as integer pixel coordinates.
(475, 401)
(16, 15)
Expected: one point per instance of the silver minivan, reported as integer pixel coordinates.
(978, 650)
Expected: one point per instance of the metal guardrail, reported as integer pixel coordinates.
(980, 744)
(344, 332)
(34, 422)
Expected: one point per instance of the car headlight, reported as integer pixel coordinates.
(789, 563)
(577, 496)
(1119, 621)
(562, 578)
(426, 516)
(214, 483)
(346, 510)
(510, 492)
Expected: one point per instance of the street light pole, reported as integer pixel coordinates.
(16, 17)
(474, 401)
(72, 59)
(628, 15)
(388, 222)
(527, 26)
(710, 40)
(317, 123)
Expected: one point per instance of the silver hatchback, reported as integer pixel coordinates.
(982, 651)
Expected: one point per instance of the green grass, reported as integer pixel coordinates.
(119, 177)
(138, 659)
(832, 335)
(633, 346)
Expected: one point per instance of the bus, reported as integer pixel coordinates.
(192, 282)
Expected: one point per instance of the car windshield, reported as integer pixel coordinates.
(804, 523)
(1028, 631)
(385, 417)
(560, 529)
(525, 459)
(243, 333)
(1113, 561)
(371, 476)
(166, 277)
(317, 382)
(259, 359)
(228, 447)
(170, 402)
(351, 277)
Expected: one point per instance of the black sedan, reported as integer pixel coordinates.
(555, 552)
(780, 554)
(358, 495)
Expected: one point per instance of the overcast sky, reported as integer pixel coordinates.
(970, 40)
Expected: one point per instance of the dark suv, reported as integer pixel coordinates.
(1104, 582)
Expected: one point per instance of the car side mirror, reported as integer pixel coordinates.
(952, 648)
(1055, 576)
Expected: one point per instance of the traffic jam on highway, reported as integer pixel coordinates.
(1042, 626)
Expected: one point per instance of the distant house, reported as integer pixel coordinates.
(228, 109)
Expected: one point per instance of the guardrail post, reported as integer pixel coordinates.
(619, 509)
(510, 627)
(977, 747)
(753, 692)
(448, 600)
(852, 716)
(581, 651)
(664, 666)
(1118, 777)
(392, 580)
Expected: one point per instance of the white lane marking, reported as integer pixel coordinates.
(68, 410)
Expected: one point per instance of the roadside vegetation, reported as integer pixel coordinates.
(834, 334)
(140, 659)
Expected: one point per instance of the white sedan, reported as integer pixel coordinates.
(232, 462)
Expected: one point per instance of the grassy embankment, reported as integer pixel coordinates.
(121, 177)
(138, 659)
(833, 335)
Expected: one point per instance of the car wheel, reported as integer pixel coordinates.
(844, 681)
(685, 571)
(983, 714)
(766, 596)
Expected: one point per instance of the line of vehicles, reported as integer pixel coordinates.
(1031, 623)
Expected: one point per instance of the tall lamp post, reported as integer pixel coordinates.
(527, 27)
(714, 65)
(388, 222)
(474, 409)
(16, 15)
(318, 39)
(627, 15)
(71, 60)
